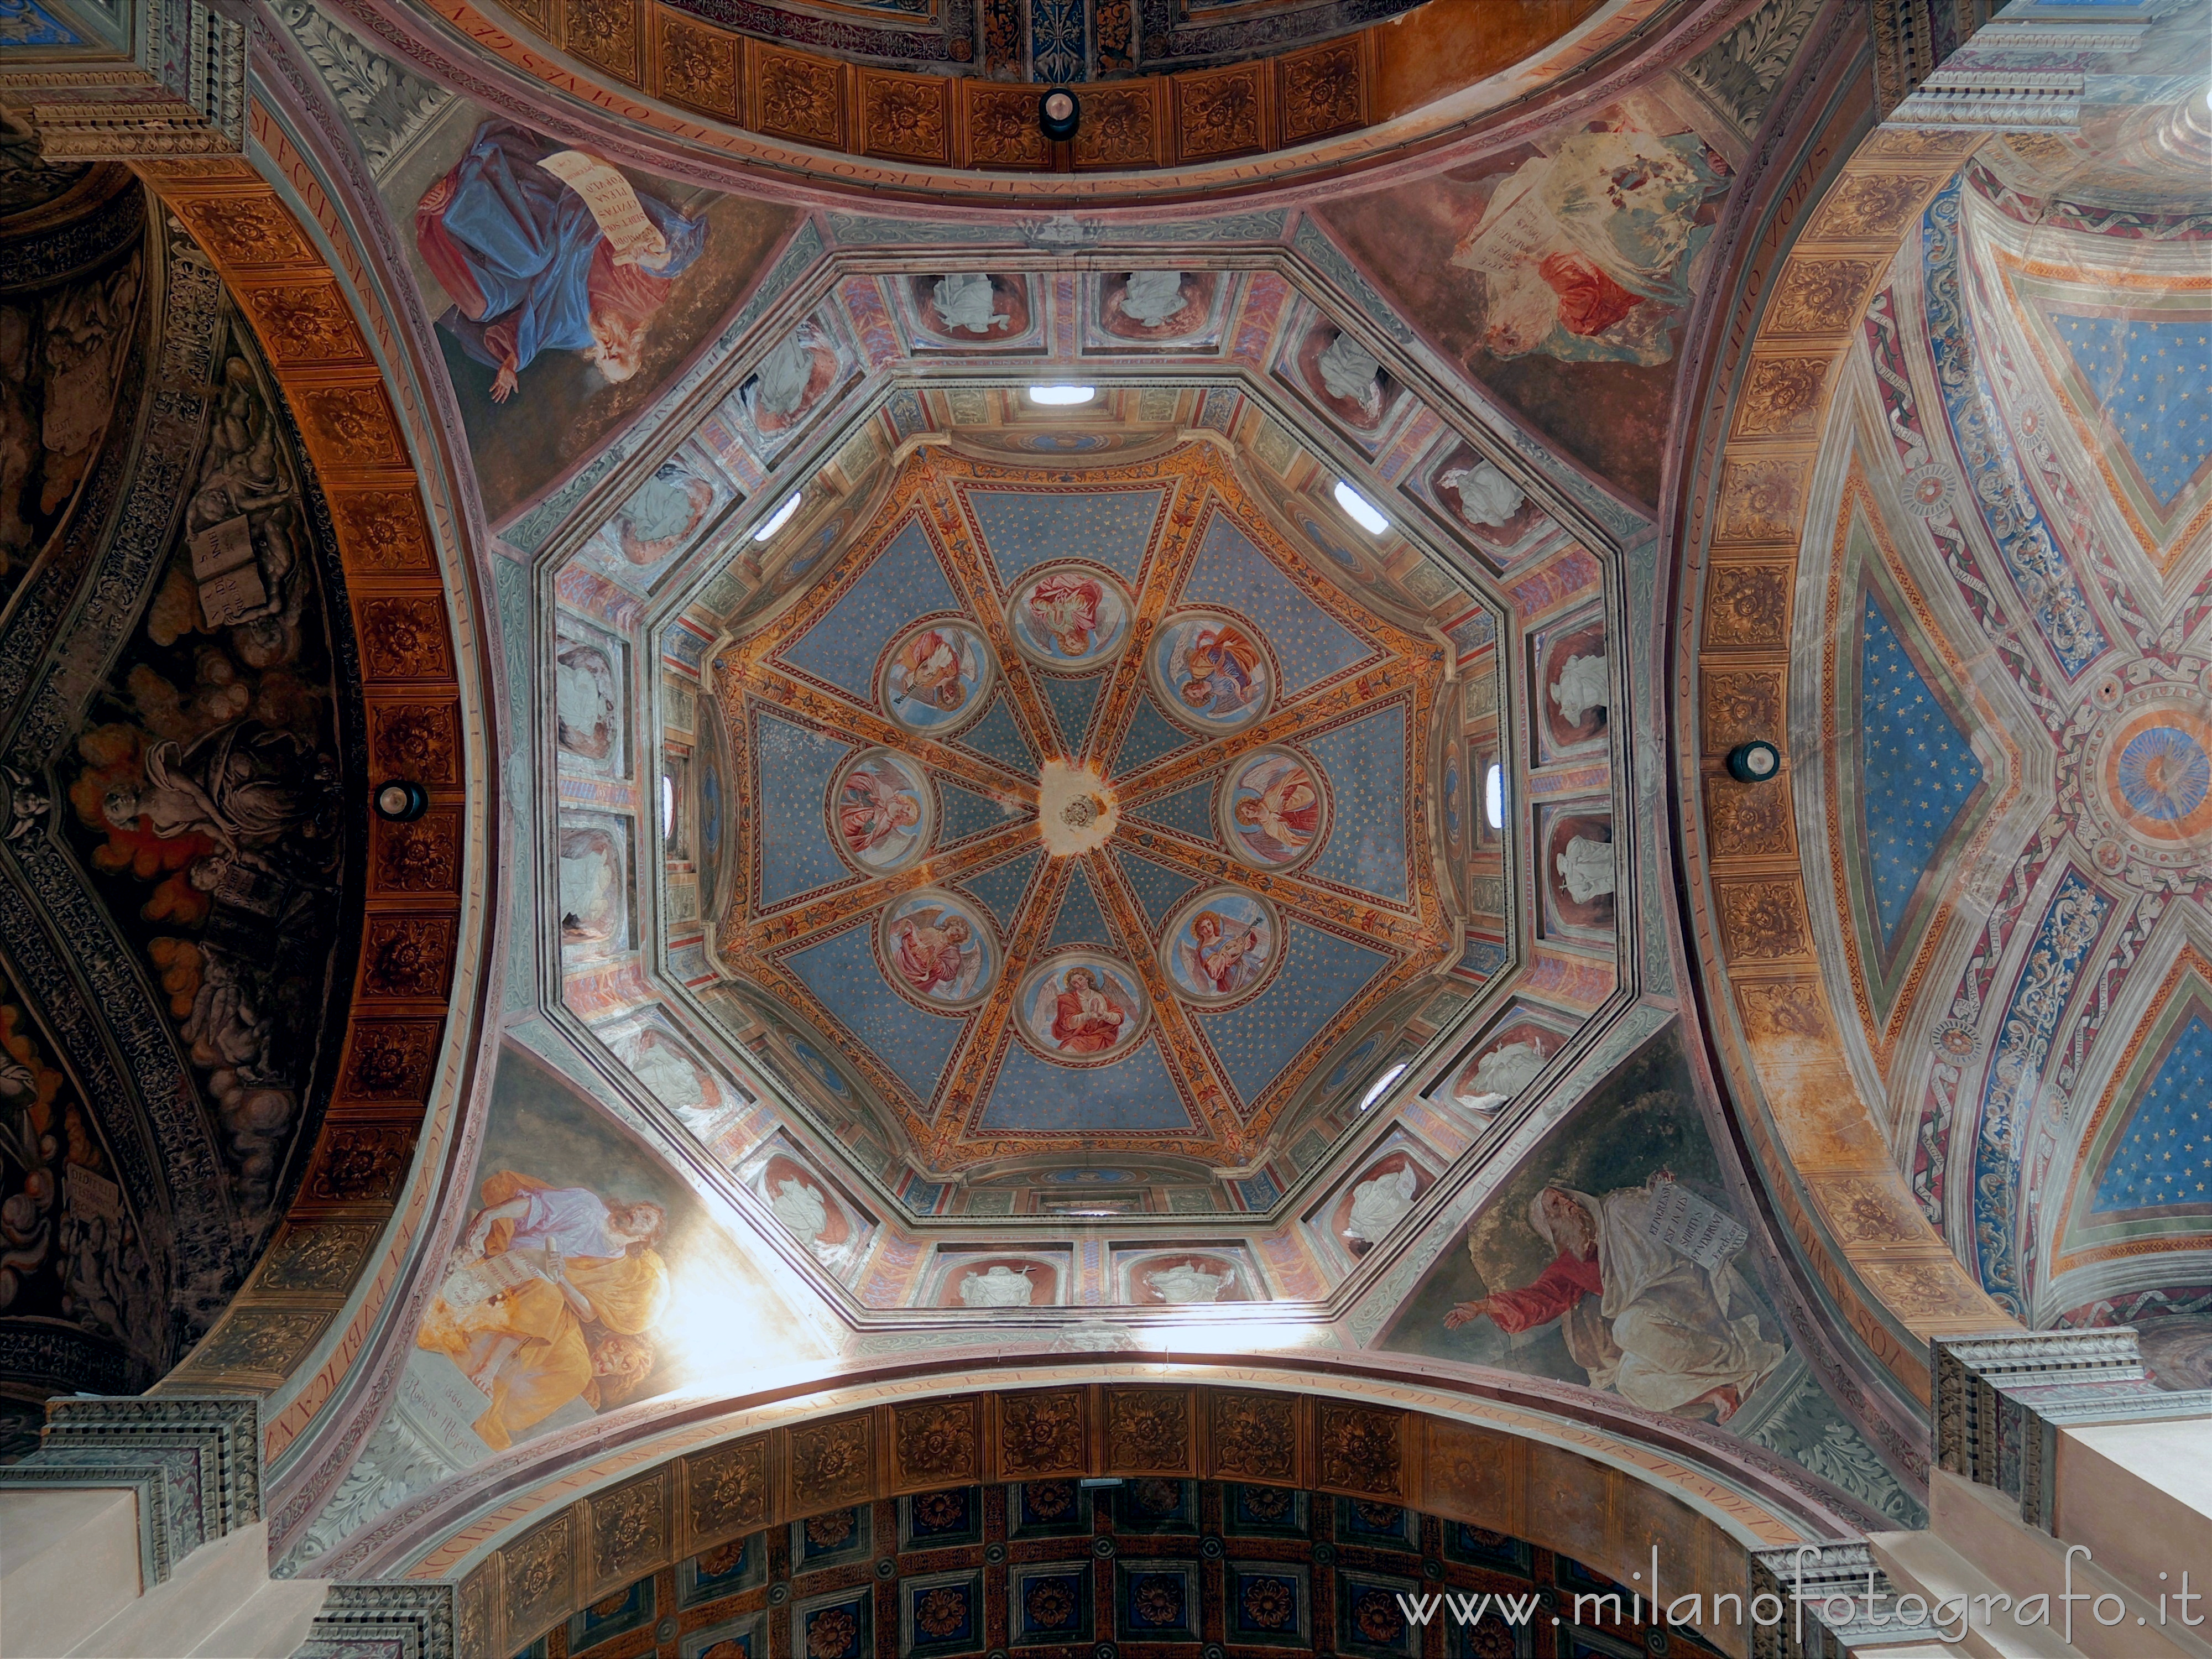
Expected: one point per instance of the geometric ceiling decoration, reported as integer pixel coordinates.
(2151, 381)
(2133, 374)
(1918, 769)
(1087, 814)
(2162, 1156)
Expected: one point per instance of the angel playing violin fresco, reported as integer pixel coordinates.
(936, 952)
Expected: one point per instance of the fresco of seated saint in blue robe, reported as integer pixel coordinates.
(528, 268)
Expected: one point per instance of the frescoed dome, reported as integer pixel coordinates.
(1002, 753)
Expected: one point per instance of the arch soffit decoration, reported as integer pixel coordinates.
(1840, 1193)
(1357, 101)
(296, 1327)
(586, 1530)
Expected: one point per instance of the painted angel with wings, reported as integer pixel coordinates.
(1220, 954)
(936, 952)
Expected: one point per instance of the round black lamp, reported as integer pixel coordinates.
(1058, 114)
(400, 801)
(1753, 763)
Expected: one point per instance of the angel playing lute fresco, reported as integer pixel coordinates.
(1223, 954)
(547, 249)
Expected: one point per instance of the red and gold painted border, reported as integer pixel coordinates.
(411, 944)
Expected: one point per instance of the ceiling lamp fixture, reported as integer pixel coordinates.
(781, 517)
(1062, 397)
(1359, 510)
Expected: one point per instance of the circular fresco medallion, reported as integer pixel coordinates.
(1080, 1008)
(1212, 670)
(1274, 809)
(936, 678)
(2143, 779)
(1221, 946)
(882, 811)
(1069, 616)
(938, 949)
(2162, 775)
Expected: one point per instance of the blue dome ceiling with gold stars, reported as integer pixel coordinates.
(1085, 812)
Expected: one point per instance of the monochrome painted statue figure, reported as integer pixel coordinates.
(1377, 1205)
(1500, 1075)
(784, 374)
(1588, 869)
(1001, 1287)
(1186, 1282)
(967, 301)
(800, 1208)
(1348, 370)
(1640, 1316)
(672, 1077)
(1152, 296)
(585, 703)
(1486, 496)
(1581, 687)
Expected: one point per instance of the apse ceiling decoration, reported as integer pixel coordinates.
(2007, 847)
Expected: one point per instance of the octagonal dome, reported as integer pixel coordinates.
(1088, 813)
